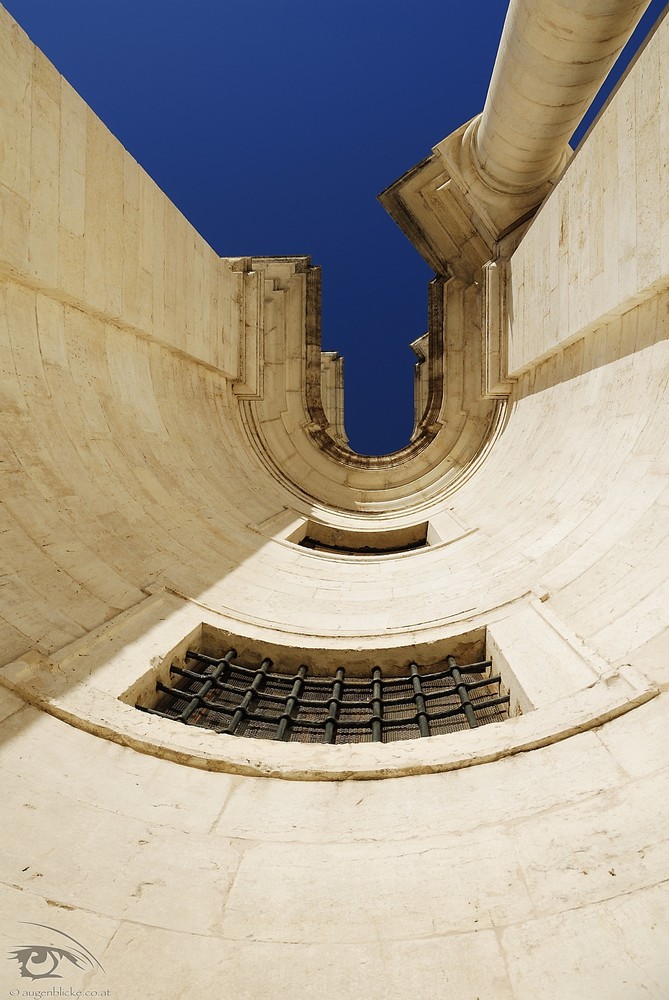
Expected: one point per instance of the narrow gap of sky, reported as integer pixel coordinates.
(273, 126)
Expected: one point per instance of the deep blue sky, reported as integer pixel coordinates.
(273, 125)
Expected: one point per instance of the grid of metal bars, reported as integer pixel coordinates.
(228, 697)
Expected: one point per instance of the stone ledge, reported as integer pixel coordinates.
(82, 685)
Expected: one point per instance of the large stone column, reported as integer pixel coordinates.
(553, 57)
(552, 60)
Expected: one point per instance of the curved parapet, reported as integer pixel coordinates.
(287, 424)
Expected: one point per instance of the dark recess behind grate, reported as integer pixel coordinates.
(225, 696)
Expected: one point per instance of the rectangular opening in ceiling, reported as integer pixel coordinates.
(370, 542)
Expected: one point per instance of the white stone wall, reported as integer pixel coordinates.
(600, 244)
(536, 876)
(83, 222)
(520, 866)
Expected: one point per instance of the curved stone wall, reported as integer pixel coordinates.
(159, 462)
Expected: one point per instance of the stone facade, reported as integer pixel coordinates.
(170, 432)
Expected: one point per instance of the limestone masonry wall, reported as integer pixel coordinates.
(82, 221)
(600, 244)
(159, 462)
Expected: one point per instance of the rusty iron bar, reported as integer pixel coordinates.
(461, 688)
(209, 682)
(334, 706)
(292, 705)
(421, 708)
(251, 692)
(377, 706)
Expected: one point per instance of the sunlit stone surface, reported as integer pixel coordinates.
(169, 435)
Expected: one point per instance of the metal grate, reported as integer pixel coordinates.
(228, 697)
(360, 550)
